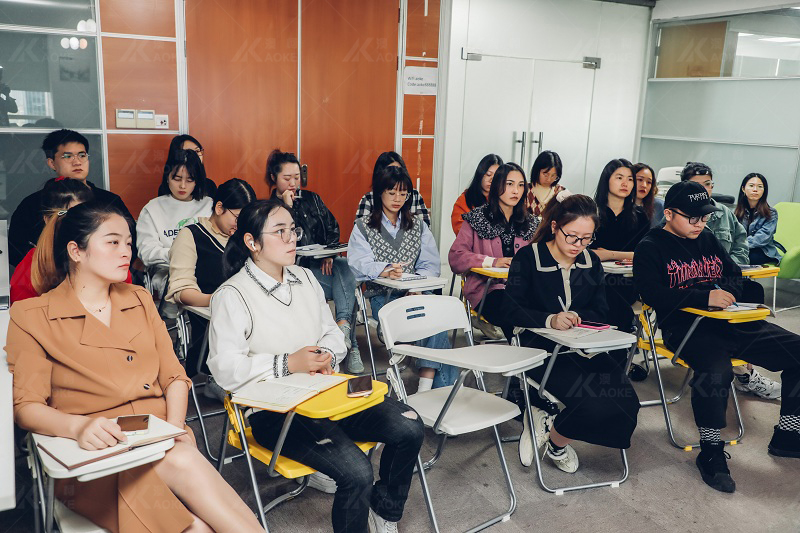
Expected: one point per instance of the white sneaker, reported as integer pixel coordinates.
(348, 342)
(760, 385)
(489, 331)
(378, 525)
(541, 426)
(321, 482)
(566, 460)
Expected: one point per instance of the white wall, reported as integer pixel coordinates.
(678, 9)
(543, 29)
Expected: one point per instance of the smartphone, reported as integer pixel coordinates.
(304, 176)
(134, 424)
(592, 325)
(624, 262)
(360, 386)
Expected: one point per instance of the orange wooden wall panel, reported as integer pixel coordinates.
(422, 36)
(418, 155)
(242, 67)
(349, 61)
(139, 17)
(135, 166)
(140, 74)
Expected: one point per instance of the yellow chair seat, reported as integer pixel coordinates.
(662, 350)
(286, 467)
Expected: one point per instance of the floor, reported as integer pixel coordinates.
(663, 493)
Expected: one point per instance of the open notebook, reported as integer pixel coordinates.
(573, 333)
(742, 306)
(70, 455)
(405, 276)
(282, 394)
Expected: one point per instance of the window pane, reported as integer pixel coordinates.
(23, 168)
(63, 14)
(51, 81)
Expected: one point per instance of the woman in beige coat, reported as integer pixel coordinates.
(94, 348)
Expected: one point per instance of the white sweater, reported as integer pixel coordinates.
(159, 223)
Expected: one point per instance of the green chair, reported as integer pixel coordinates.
(787, 235)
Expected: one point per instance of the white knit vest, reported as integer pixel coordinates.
(277, 328)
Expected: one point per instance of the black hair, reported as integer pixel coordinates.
(195, 168)
(251, 220)
(474, 193)
(649, 201)
(275, 163)
(383, 161)
(234, 194)
(545, 161)
(494, 214)
(59, 193)
(176, 145)
(743, 205)
(601, 194)
(391, 177)
(695, 169)
(571, 208)
(61, 137)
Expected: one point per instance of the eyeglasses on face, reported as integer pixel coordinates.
(574, 239)
(69, 156)
(693, 220)
(286, 234)
(397, 194)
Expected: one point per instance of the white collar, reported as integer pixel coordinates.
(267, 282)
(388, 223)
(587, 260)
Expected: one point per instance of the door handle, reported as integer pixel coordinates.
(522, 150)
(538, 142)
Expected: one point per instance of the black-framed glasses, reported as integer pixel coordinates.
(574, 239)
(693, 220)
(286, 234)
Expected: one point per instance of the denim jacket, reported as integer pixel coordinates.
(760, 232)
(730, 233)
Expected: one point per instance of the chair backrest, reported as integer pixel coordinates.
(666, 178)
(788, 221)
(412, 318)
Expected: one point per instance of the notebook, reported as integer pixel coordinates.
(71, 456)
(742, 306)
(573, 333)
(405, 276)
(282, 394)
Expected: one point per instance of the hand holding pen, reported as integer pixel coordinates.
(566, 319)
(720, 298)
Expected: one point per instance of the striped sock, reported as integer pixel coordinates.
(710, 434)
(789, 423)
(555, 450)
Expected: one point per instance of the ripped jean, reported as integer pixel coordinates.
(329, 447)
(445, 374)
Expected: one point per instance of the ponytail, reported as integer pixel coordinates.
(252, 219)
(275, 163)
(44, 273)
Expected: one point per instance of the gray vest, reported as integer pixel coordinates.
(405, 247)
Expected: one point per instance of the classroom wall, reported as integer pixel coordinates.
(678, 9)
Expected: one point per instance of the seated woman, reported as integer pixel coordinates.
(477, 194)
(758, 218)
(392, 159)
(646, 191)
(94, 348)
(181, 201)
(493, 233)
(203, 244)
(389, 243)
(558, 268)
(270, 319)
(319, 227)
(545, 175)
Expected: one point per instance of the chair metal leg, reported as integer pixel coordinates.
(49, 505)
(202, 424)
(223, 445)
(366, 331)
(288, 496)
(432, 461)
(253, 481)
(426, 494)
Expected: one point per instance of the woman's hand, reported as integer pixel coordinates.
(565, 320)
(503, 262)
(393, 271)
(326, 266)
(98, 433)
(311, 359)
(288, 197)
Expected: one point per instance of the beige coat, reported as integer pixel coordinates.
(64, 357)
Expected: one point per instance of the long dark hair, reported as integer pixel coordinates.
(275, 163)
(474, 193)
(251, 220)
(494, 214)
(649, 201)
(570, 208)
(77, 224)
(234, 194)
(545, 161)
(195, 168)
(389, 178)
(743, 206)
(601, 195)
(176, 145)
(383, 161)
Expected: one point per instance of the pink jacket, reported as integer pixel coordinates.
(471, 251)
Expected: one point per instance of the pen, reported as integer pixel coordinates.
(720, 288)
(563, 307)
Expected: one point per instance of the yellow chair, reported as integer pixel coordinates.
(240, 436)
(654, 348)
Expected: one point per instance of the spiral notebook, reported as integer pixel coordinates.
(282, 394)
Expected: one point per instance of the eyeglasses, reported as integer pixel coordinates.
(395, 194)
(574, 239)
(693, 220)
(69, 156)
(286, 234)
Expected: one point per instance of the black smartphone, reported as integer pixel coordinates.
(304, 176)
(360, 386)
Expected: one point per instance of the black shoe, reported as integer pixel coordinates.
(784, 443)
(517, 396)
(713, 466)
(637, 373)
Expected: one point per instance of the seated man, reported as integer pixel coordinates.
(684, 265)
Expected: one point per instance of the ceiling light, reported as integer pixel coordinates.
(781, 39)
(745, 34)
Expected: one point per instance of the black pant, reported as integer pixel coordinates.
(601, 406)
(710, 349)
(328, 447)
(758, 257)
(493, 309)
(199, 325)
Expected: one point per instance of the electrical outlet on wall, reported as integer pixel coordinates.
(162, 122)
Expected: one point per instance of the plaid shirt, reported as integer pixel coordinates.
(418, 206)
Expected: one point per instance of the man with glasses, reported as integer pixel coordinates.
(683, 265)
(67, 154)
